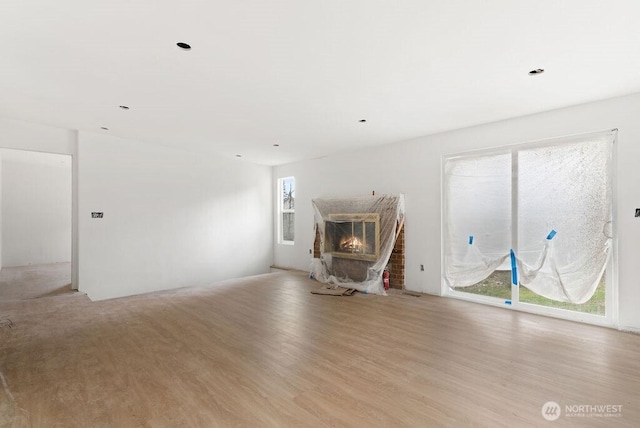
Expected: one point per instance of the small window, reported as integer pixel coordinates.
(286, 210)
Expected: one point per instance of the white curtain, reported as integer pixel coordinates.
(563, 214)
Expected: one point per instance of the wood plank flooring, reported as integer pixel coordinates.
(264, 351)
(34, 281)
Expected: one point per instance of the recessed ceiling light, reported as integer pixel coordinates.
(238, 156)
(124, 107)
(104, 128)
(184, 46)
(362, 120)
(536, 71)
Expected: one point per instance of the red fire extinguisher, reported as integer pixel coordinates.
(385, 278)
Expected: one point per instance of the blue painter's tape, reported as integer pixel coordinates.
(551, 234)
(507, 302)
(471, 240)
(514, 268)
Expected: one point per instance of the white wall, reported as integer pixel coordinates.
(414, 168)
(0, 211)
(36, 208)
(171, 218)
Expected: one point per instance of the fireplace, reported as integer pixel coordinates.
(352, 236)
(356, 238)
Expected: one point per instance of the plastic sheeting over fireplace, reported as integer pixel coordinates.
(357, 238)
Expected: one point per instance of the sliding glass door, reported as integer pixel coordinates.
(530, 227)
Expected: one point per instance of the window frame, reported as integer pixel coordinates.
(282, 210)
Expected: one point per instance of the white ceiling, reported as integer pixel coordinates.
(302, 73)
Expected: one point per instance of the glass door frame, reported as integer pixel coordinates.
(610, 318)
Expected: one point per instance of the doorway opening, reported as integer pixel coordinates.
(36, 224)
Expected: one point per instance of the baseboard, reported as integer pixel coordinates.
(274, 268)
(628, 329)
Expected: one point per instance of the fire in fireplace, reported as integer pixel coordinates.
(351, 244)
(354, 236)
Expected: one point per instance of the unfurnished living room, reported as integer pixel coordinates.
(339, 213)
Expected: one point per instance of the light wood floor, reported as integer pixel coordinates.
(264, 351)
(34, 281)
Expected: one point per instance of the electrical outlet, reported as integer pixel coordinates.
(310, 251)
(97, 215)
(422, 268)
